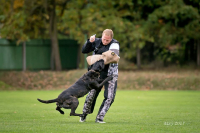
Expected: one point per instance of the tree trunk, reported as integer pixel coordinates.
(55, 54)
(138, 58)
(80, 57)
(24, 55)
(198, 53)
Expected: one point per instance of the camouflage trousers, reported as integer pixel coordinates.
(109, 95)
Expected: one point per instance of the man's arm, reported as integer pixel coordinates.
(89, 45)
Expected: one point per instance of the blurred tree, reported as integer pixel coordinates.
(168, 24)
(172, 26)
(23, 20)
(135, 31)
(13, 20)
(85, 18)
(196, 26)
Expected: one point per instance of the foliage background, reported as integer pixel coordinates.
(162, 32)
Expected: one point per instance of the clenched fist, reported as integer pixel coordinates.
(92, 38)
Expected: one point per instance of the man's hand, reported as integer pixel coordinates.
(92, 38)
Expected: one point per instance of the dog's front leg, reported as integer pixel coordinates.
(100, 80)
(106, 80)
(98, 86)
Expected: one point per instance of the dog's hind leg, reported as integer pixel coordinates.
(59, 109)
(67, 104)
(73, 105)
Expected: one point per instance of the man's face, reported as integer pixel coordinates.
(106, 39)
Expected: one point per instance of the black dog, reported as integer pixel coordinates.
(68, 99)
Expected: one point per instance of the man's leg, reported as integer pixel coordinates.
(90, 101)
(89, 104)
(109, 95)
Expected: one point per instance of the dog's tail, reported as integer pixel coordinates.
(48, 101)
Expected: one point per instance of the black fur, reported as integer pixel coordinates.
(68, 99)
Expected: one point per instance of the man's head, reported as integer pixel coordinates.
(107, 36)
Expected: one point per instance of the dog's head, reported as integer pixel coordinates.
(95, 69)
(93, 74)
(98, 65)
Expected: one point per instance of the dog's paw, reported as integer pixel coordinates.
(62, 112)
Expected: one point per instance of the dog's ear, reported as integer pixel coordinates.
(89, 73)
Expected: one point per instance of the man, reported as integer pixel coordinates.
(98, 46)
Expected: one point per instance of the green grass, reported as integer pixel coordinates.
(132, 111)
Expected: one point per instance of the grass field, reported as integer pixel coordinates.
(132, 111)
